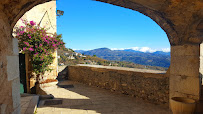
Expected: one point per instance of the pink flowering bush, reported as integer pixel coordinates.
(39, 44)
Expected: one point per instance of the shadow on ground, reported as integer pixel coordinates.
(78, 98)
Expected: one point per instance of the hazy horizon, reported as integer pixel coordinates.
(142, 49)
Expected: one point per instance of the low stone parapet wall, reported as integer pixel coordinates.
(151, 87)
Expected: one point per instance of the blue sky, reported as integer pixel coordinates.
(88, 24)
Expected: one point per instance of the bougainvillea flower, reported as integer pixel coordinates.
(40, 45)
(32, 23)
(26, 43)
(31, 49)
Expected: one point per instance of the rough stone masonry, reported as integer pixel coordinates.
(151, 87)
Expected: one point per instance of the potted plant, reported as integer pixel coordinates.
(182, 105)
(39, 44)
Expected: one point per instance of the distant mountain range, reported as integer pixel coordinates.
(158, 58)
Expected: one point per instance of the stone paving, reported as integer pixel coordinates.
(83, 99)
(29, 103)
(25, 101)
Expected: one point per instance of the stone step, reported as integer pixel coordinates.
(29, 104)
(43, 97)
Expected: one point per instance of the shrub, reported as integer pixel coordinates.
(40, 45)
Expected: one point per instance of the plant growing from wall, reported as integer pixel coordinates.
(40, 45)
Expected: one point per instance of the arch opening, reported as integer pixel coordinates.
(115, 30)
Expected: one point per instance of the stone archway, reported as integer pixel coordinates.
(180, 19)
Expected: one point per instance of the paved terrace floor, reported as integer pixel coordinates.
(83, 99)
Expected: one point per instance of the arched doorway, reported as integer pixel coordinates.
(184, 34)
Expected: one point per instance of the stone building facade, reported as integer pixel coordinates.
(45, 15)
(182, 20)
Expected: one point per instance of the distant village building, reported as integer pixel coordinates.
(80, 55)
(110, 64)
(75, 54)
(71, 57)
(66, 54)
(88, 62)
(61, 64)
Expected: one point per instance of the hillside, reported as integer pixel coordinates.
(158, 58)
(70, 57)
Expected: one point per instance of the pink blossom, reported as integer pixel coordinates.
(46, 41)
(54, 45)
(35, 54)
(32, 23)
(24, 48)
(21, 32)
(31, 49)
(29, 35)
(26, 43)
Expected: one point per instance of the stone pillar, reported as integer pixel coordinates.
(201, 65)
(9, 70)
(184, 71)
(201, 70)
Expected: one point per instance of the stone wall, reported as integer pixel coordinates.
(9, 70)
(54, 66)
(147, 86)
(45, 14)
